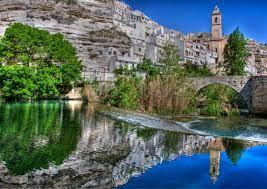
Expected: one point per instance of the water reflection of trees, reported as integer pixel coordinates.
(36, 134)
(146, 134)
(109, 152)
(234, 149)
(171, 142)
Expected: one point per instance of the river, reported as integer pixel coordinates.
(66, 144)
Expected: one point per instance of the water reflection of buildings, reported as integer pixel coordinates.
(196, 144)
(109, 153)
(147, 154)
(215, 147)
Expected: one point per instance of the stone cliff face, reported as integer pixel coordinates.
(78, 20)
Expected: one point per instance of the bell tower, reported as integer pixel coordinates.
(215, 147)
(216, 24)
(218, 41)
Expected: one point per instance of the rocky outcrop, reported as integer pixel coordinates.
(78, 20)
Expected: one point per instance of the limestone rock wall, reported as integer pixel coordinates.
(79, 21)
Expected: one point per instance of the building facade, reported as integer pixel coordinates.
(148, 39)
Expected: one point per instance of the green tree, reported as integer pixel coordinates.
(169, 59)
(126, 93)
(149, 68)
(47, 81)
(37, 64)
(235, 54)
(17, 82)
(193, 70)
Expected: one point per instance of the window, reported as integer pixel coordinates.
(140, 49)
(216, 20)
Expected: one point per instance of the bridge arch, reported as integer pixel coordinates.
(241, 84)
(240, 94)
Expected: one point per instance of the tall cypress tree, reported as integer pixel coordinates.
(235, 54)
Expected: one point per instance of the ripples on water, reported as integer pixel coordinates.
(67, 144)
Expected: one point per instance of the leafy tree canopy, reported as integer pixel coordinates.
(193, 70)
(169, 59)
(235, 54)
(36, 64)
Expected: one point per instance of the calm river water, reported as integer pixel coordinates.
(68, 145)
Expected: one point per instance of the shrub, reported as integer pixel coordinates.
(167, 95)
(219, 100)
(149, 68)
(125, 94)
(193, 70)
(90, 92)
(17, 82)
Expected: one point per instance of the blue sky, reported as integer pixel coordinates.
(194, 15)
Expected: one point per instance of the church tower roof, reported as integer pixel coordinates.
(216, 10)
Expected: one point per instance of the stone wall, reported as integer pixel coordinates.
(236, 82)
(78, 21)
(259, 95)
(252, 89)
(241, 84)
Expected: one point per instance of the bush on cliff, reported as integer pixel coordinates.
(32, 56)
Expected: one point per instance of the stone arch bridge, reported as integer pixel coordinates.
(253, 89)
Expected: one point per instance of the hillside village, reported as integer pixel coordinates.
(110, 34)
(149, 37)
